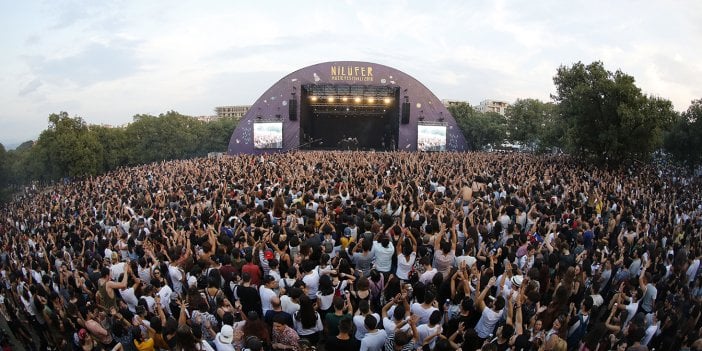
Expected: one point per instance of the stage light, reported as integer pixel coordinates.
(313, 98)
(344, 99)
(387, 101)
(357, 99)
(330, 99)
(371, 100)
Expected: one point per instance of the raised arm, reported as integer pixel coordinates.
(123, 283)
(480, 300)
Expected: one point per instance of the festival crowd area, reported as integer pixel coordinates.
(358, 250)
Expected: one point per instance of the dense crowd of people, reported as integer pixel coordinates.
(358, 250)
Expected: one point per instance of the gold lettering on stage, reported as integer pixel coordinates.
(352, 73)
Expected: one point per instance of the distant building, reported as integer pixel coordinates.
(449, 103)
(493, 106)
(232, 111)
(206, 118)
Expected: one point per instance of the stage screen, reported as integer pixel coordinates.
(268, 135)
(431, 137)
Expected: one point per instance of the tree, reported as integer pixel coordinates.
(166, 137)
(532, 122)
(605, 115)
(480, 129)
(4, 166)
(684, 141)
(116, 147)
(216, 135)
(68, 148)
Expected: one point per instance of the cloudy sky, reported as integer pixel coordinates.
(109, 60)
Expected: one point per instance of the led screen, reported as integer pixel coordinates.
(268, 135)
(431, 138)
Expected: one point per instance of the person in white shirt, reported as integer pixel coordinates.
(429, 272)
(383, 250)
(117, 267)
(398, 319)
(374, 340)
(177, 276)
(266, 292)
(359, 320)
(489, 316)
(164, 293)
(129, 297)
(424, 310)
(429, 332)
(311, 279)
(406, 256)
(290, 301)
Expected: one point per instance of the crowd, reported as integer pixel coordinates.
(358, 250)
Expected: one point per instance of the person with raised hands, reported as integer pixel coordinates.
(489, 315)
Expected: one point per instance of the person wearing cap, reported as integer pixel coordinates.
(225, 337)
(266, 292)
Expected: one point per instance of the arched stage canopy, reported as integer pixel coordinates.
(347, 105)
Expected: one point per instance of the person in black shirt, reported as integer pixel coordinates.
(248, 295)
(468, 316)
(343, 341)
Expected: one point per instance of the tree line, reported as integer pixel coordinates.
(595, 114)
(70, 147)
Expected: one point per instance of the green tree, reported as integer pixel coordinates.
(216, 135)
(533, 122)
(166, 137)
(4, 166)
(684, 141)
(480, 129)
(115, 144)
(68, 147)
(605, 115)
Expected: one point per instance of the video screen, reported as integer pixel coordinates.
(268, 135)
(431, 138)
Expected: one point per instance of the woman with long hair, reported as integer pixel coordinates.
(185, 340)
(307, 321)
(255, 326)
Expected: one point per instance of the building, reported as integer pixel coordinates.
(493, 106)
(206, 119)
(232, 111)
(449, 103)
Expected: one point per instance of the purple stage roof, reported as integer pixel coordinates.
(275, 101)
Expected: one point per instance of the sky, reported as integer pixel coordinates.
(106, 61)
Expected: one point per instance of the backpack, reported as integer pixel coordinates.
(212, 301)
(328, 246)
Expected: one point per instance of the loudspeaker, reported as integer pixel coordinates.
(292, 109)
(405, 112)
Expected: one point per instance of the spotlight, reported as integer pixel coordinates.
(344, 99)
(357, 99)
(387, 101)
(330, 99)
(313, 98)
(371, 100)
